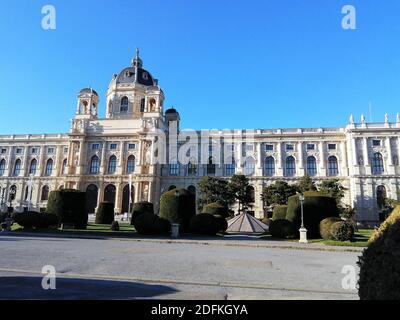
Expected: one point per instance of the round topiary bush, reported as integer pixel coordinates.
(325, 227)
(216, 209)
(140, 208)
(204, 223)
(105, 213)
(70, 207)
(282, 229)
(151, 224)
(317, 207)
(279, 212)
(178, 206)
(27, 220)
(115, 226)
(379, 277)
(342, 231)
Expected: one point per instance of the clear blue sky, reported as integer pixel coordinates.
(222, 64)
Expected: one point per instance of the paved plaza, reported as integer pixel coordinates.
(166, 269)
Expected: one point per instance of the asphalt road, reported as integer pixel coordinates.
(126, 269)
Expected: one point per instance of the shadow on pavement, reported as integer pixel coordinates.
(30, 287)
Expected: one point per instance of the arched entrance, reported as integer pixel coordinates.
(91, 198)
(125, 198)
(109, 193)
(381, 196)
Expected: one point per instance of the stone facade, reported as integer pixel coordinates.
(100, 156)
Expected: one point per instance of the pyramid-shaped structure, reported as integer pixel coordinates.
(246, 223)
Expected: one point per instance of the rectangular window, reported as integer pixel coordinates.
(174, 169)
(376, 143)
(34, 150)
(289, 147)
(19, 151)
(65, 150)
(331, 146)
(131, 146)
(95, 146)
(3, 151)
(310, 146)
(269, 147)
(113, 146)
(50, 150)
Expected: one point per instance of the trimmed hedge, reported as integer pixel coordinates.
(69, 206)
(207, 224)
(379, 277)
(140, 208)
(151, 224)
(282, 229)
(342, 231)
(325, 227)
(336, 229)
(317, 207)
(216, 209)
(279, 212)
(105, 213)
(222, 223)
(178, 206)
(114, 226)
(35, 220)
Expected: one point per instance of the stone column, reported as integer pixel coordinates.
(118, 197)
(81, 158)
(322, 168)
(239, 157)
(390, 168)
(9, 163)
(343, 151)
(25, 162)
(279, 169)
(41, 163)
(300, 171)
(367, 164)
(103, 160)
(259, 171)
(121, 162)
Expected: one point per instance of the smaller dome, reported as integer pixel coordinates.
(88, 90)
(171, 110)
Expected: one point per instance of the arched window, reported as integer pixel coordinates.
(377, 164)
(94, 165)
(142, 105)
(17, 168)
(2, 167)
(45, 193)
(49, 168)
(124, 104)
(311, 166)
(210, 166)
(290, 166)
(109, 193)
(333, 168)
(230, 168)
(269, 164)
(249, 166)
(174, 169)
(130, 165)
(192, 168)
(92, 192)
(33, 166)
(251, 192)
(64, 167)
(112, 165)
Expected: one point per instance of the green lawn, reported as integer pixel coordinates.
(360, 239)
(92, 228)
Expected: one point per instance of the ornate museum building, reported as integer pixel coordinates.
(101, 156)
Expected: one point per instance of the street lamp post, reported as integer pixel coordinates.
(303, 230)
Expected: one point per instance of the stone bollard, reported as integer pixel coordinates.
(175, 230)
